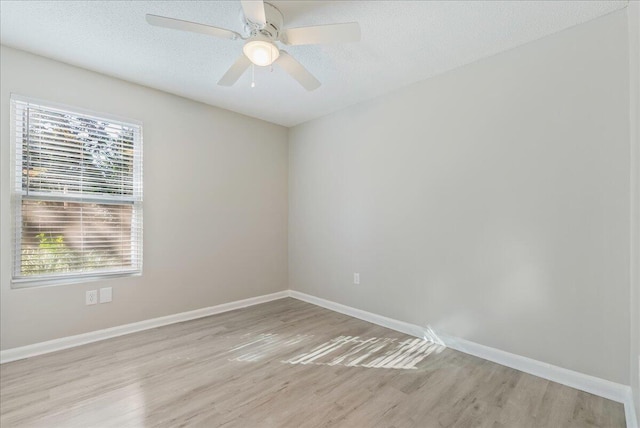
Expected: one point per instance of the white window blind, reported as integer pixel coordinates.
(77, 193)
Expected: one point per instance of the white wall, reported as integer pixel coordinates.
(215, 206)
(490, 203)
(634, 72)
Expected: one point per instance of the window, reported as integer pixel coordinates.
(77, 194)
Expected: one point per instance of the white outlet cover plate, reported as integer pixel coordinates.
(91, 298)
(106, 295)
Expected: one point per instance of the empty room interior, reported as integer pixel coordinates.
(320, 213)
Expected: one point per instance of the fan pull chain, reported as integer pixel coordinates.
(253, 75)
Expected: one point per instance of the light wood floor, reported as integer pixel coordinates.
(283, 364)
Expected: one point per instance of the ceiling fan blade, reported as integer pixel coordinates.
(297, 71)
(331, 33)
(235, 71)
(254, 11)
(194, 27)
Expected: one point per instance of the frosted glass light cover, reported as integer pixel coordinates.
(261, 52)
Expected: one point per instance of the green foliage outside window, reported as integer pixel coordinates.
(52, 255)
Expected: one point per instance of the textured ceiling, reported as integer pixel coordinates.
(402, 42)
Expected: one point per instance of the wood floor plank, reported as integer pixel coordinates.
(283, 364)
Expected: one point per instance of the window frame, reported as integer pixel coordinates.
(17, 195)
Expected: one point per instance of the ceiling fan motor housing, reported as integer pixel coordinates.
(271, 29)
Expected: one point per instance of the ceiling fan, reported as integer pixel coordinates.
(263, 23)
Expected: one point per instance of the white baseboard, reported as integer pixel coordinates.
(591, 384)
(95, 336)
(401, 326)
(630, 412)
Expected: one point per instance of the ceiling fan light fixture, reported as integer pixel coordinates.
(264, 25)
(261, 52)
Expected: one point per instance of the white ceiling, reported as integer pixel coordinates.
(402, 42)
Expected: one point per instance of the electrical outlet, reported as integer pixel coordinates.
(91, 297)
(356, 278)
(106, 295)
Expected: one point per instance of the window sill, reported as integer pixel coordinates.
(71, 279)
